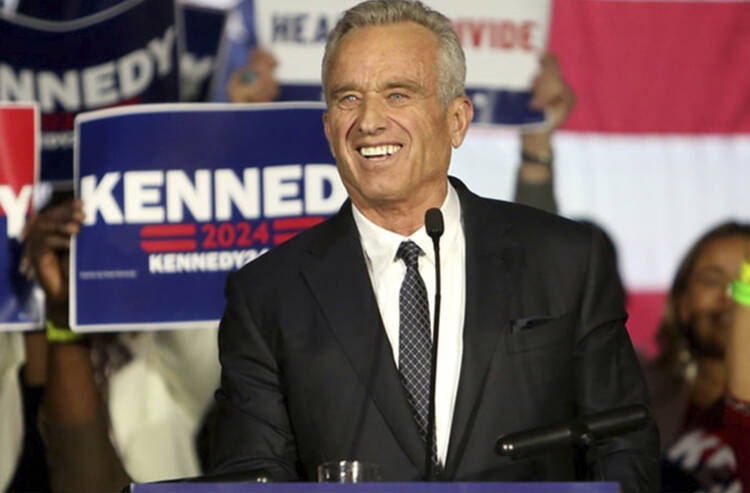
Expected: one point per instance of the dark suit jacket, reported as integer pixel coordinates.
(308, 375)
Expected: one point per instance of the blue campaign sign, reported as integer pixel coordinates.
(176, 196)
(125, 54)
(19, 155)
(202, 27)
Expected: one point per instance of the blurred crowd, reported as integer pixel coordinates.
(100, 411)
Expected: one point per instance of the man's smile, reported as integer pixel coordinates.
(379, 151)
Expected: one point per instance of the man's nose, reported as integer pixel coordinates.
(373, 116)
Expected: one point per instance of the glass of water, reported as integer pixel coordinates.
(348, 471)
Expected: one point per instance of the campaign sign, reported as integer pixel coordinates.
(237, 41)
(201, 30)
(502, 42)
(176, 196)
(123, 55)
(19, 154)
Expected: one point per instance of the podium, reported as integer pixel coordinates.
(509, 487)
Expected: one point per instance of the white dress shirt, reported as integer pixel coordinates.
(158, 400)
(387, 273)
(12, 356)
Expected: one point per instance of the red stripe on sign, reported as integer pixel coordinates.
(152, 246)
(296, 223)
(168, 230)
(57, 122)
(17, 147)
(655, 67)
(645, 309)
(280, 238)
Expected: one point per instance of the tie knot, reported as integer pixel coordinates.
(409, 252)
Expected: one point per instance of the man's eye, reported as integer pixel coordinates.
(397, 96)
(348, 101)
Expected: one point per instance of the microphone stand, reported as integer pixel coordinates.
(582, 433)
(434, 227)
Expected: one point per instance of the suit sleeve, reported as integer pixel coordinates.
(251, 432)
(608, 374)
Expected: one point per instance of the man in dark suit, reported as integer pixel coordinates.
(324, 339)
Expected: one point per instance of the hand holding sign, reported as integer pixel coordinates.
(46, 249)
(254, 82)
(550, 92)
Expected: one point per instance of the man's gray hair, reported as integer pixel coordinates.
(451, 63)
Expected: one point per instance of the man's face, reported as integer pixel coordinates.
(705, 307)
(389, 133)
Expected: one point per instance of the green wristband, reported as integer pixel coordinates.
(741, 292)
(58, 335)
(745, 272)
(545, 159)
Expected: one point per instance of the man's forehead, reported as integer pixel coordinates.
(380, 45)
(406, 32)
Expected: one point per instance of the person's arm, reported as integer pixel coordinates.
(535, 178)
(74, 425)
(72, 421)
(31, 473)
(738, 350)
(609, 376)
(252, 435)
(737, 413)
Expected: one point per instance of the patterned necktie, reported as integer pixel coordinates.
(415, 339)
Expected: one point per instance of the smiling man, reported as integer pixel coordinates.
(389, 127)
(325, 340)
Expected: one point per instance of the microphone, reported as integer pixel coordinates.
(581, 431)
(433, 224)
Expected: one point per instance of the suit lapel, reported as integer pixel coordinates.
(339, 280)
(491, 274)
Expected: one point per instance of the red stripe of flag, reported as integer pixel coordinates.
(168, 245)
(168, 230)
(645, 309)
(655, 67)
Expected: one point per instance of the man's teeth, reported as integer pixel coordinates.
(379, 150)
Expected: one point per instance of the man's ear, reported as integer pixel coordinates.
(460, 113)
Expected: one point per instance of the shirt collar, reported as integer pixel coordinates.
(380, 245)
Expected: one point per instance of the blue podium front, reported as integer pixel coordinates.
(546, 487)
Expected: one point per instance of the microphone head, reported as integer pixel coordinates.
(433, 223)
